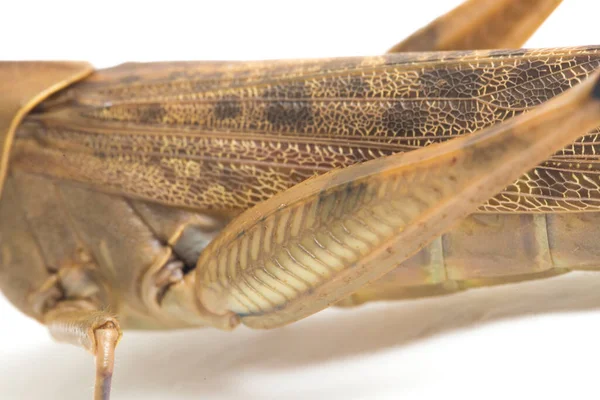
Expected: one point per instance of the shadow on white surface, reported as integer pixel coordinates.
(369, 352)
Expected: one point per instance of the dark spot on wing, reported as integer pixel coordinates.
(358, 87)
(289, 115)
(151, 113)
(405, 119)
(227, 108)
(293, 115)
(529, 70)
(287, 110)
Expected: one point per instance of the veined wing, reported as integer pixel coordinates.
(224, 136)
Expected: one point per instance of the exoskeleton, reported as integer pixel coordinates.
(172, 195)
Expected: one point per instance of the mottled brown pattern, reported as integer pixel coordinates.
(226, 136)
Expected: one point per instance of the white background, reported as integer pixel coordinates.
(366, 353)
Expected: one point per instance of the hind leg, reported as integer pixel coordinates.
(475, 24)
(481, 24)
(317, 242)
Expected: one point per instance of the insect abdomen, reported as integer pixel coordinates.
(489, 249)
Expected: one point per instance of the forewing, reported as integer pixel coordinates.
(225, 136)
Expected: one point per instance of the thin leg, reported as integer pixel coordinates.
(106, 337)
(314, 244)
(79, 323)
(481, 24)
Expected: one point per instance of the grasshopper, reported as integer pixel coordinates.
(175, 195)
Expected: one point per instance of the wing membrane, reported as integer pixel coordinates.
(225, 136)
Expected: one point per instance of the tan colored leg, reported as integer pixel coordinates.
(317, 242)
(481, 24)
(79, 323)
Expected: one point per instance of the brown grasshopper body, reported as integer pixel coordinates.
(172, 195)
